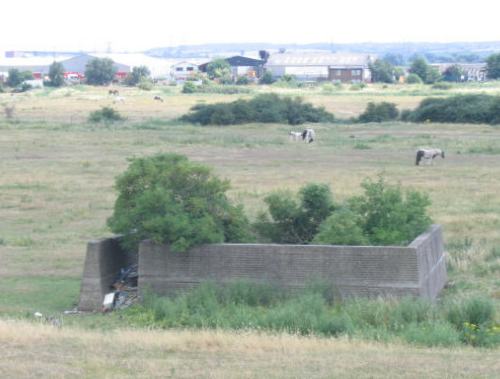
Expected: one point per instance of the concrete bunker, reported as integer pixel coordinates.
(415, 270)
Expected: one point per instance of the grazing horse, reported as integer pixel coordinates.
(295, 136)
(158, 98)
(428, 155)
(119, 99)
(113, 92)
(308, 135)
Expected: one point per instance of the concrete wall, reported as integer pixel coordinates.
(418, 269)
(103, 262)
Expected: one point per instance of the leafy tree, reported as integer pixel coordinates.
(382, 71)
(433, 75)
(219, 69)
(388, 215)
(295, 221)
(168, 199)
(189, 87)
(343, 227)
(100, 71)
(453, 73)
(493, 66)
(56, 74)
(427, 73)
(138, 74)
(16, 77)
(419, 67)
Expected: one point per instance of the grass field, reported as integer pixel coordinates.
(56, 191)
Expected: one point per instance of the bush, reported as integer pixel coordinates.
(442, 86)
(105, 114)
(266, 108)
(16, 77)
(242, 80)
(388, 215)
(379, 112)
(168, 199)
(474, 109)
(413, 79)
(295, 221)
(145, 84)
(267, 78)
(189, 87)
(341, 228)
(357, 86)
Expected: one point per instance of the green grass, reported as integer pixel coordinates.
(24, 296)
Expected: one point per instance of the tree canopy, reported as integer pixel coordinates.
(493, 66)
(56, 74)
(100, 71)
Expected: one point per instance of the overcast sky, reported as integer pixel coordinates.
(134, 25)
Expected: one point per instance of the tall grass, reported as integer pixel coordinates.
(318, 310)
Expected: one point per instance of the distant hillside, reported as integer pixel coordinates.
(401, 51)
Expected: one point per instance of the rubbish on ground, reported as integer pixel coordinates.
(109, 301)
(125, 289)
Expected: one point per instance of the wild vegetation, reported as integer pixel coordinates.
(265, 108)
(63, 195)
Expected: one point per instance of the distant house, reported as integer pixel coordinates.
(472, 72)
(183, 70)
(241, 66)
(336, 67)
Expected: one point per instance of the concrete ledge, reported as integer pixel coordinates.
(416, 270)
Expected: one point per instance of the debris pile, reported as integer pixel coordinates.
(125, 290)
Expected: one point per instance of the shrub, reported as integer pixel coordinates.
(105, 114)
(413, 79)
(189, 87)
(138, 74)
(442, 86)
(388, 215)
(145, 84)
(295, 221)
(168, 199)
(266, 108)
(379, 112)
(100, 71)
(475, 109)
(242, 80)
(341, 228)
(267, 78)
(16, 77)
(357, 86)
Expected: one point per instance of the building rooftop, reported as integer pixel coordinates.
(319, 59)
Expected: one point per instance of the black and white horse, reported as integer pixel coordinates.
(428, 155)
(308, 135)
(159, 98)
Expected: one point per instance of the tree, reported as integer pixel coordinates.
(427, 73)
(419, 67)
(56, 74)
(138, 74)
(493, 66)
(100, 71)
(453, 73)
(219, 69)
(168, 199)
(16, 77)
(382, 71)
(394, 59)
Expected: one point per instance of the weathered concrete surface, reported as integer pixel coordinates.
(103, 261)
(417, 270)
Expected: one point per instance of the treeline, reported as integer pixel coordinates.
(470, 109)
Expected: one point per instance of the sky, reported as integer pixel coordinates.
(132, 25)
